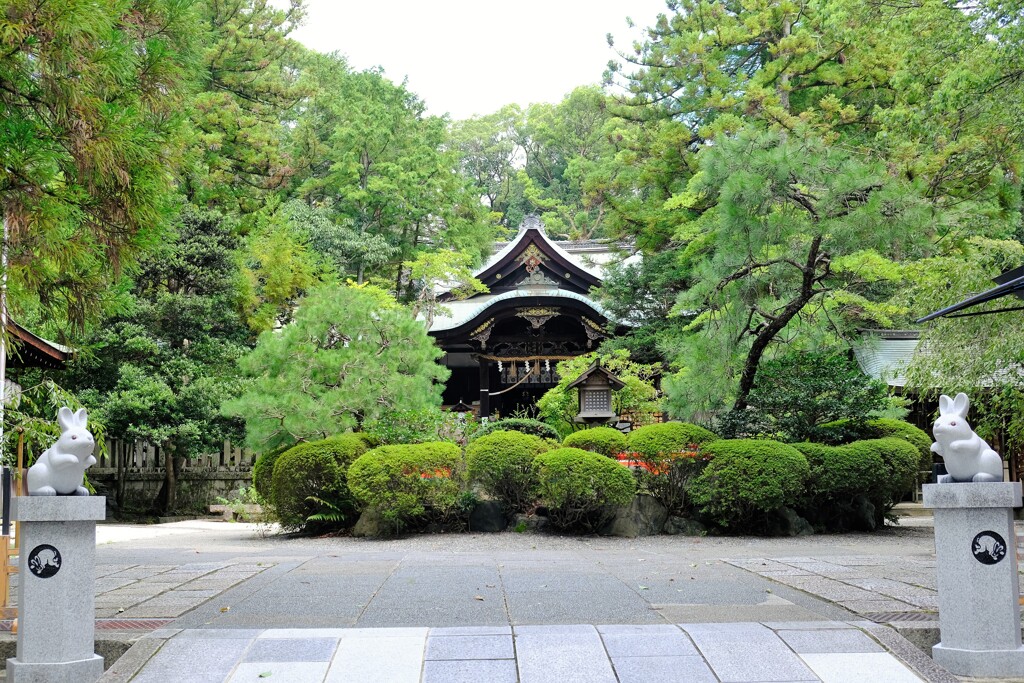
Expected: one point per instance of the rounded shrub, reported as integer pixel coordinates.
(900, 460)
(603, 440)
(665, 459)
(516, 424)
(309, 481)
(847, 431)
(841, 480)
(403, 481)
(747, 478)
(263, 472)
(580, 488)
(501, 463)
(886, 427)
(653, 441)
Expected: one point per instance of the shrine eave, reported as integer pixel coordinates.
(28, 350)
(466, 313)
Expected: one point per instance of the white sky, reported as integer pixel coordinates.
(467, 57)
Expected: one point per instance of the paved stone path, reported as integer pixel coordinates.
(866, 585)
(833, 652)
(229, 605)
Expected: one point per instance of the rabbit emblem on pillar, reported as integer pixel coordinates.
(967, 456)
(61, 468)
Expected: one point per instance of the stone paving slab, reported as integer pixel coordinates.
(624, 653)
(859, 584)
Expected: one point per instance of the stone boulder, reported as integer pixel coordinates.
(864, 516)
(488, 516)
(645, 516)
(682, 526)
(786, 522)
(523, 522)
(371, 525)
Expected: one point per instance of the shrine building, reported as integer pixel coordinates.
(502, 347)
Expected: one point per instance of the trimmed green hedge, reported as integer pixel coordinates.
(312, 472)
(653, 441)
(846, 431)
(403, 481)
(604, 440)
(842, 479)
(668, 461)
(886, 427)
(747, 478)
(580, 488)
(515, 424)
(263, 472)
(501, 463)
(901, 461)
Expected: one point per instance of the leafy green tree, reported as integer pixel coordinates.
(91, 95)
(563, 144)
(788, 215)
(387, 173)
(489, 148)
(160, 372)
(981, 355)
(431, 272)
(279, 265)
(911, 96)
(248, 90)
(352, 354)
(797, 393)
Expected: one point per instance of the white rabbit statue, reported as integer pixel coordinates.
(967, 456)
(61, 467)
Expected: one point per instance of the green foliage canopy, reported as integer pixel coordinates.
(351, 354)
(91, 101)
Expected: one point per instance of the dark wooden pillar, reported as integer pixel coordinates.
(485, 387)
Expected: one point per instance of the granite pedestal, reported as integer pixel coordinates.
(976, 570)
(56, 570)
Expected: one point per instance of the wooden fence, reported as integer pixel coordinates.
(131, 475)
(140, 456)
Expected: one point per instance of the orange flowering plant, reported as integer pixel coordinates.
(668, 457)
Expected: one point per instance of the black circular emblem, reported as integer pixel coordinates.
(44, 561)
(988, 547)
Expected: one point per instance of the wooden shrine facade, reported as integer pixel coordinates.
(502, 347)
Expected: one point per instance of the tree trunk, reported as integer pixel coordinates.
(777, 324)
(120, 455)
(783, 87)
(167, 498)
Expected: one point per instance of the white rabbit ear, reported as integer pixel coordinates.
(81, 417)
(961, 404)
(65, 418)
(945, 405)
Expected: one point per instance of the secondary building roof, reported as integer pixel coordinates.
(1010, 282)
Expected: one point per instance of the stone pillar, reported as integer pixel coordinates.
(976, 569)
(485, 387)
(56, 591)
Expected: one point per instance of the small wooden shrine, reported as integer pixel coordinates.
(596, 385)
(502, 347)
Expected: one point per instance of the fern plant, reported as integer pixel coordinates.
(330, 513)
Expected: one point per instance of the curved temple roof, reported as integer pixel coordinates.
(461, 312)
(565, 272)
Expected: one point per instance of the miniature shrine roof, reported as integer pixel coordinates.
(596, 369)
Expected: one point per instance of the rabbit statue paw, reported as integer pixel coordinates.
(61, 468)
(968, 458)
